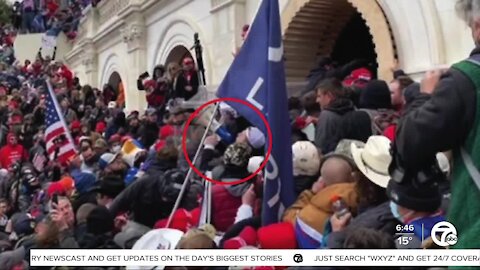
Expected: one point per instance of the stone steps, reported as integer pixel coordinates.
(313, 32)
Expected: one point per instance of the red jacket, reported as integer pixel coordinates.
(67, 74)
(389, 132)
(157, 97)
(10, 154)
(37, 68)
(224, 208)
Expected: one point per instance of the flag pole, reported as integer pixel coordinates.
(60, 115)
(205, 215)
(209, 202)
(199, 55)
(190, 170)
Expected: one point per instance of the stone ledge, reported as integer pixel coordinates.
(217, 5)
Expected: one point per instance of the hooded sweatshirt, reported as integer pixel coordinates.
(11, 153)
(340, 121)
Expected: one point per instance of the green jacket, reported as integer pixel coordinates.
(448, 119)
(464, 211)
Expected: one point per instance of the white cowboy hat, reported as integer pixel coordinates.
(157, 239)
(374, 159)
(164, 238)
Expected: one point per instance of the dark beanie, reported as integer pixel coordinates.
(100, 221)
(424, 198)
(376, 95)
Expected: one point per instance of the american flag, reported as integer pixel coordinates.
(39, 161)
(59, 142)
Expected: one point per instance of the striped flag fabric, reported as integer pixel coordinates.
(39, 161)
(60, 146)
(307, 237)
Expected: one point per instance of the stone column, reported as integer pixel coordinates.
(228, 18)
(90, 63)
(134, 36)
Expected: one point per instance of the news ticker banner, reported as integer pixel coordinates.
(245, 257)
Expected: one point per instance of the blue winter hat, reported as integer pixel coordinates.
(84, 181)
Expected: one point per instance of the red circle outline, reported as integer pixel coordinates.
(197, 112)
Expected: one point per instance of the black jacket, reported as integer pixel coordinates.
(207, 156)
(179, 90)
(159, 166)
(341, 121)
(436, 123)
(102, 241)
(143, 198)
(133, 131)
(148, 134)
(377, 218)
(303, 182)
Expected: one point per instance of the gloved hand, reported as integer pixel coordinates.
(144, 75)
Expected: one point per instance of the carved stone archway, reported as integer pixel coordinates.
(311, 29)
(114, 81)
(177, 54)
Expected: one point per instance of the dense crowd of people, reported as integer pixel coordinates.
(122, 184)
(39, 16)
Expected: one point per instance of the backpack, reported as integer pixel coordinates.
(381, 119)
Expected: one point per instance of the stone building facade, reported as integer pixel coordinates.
(120, 39)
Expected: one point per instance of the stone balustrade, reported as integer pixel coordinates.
(108, 9)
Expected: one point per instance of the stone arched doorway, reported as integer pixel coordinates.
(342, 29)
(115, 82)
(177, 54)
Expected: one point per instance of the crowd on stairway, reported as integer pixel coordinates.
(371, 159)
(55, 16)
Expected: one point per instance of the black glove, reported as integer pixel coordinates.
(144, 75)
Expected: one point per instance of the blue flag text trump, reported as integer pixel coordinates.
(257, 75)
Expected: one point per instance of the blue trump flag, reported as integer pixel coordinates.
(257, 75)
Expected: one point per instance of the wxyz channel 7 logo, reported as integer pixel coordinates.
(443, 234)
